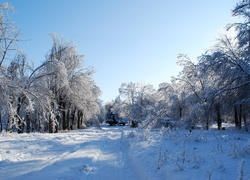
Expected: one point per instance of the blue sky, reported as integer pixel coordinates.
(124, 40)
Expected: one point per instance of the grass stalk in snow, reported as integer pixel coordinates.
(179, 166)
(209, 174)
(241, 172)
(219, 147)
(159, 159)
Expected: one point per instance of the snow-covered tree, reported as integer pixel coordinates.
(236, 79)
(197, 90)
(71, 90)
(12, 72)
(171, 100)
(136, 101)
(8, 34)
(242, 10)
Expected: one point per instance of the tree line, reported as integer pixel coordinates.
(213, 89)
(58, 94)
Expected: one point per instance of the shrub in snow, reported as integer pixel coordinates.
(131, 134)
(246, 149)
(236, 151)
(219, 146)
(143, 135)
(196, 161)
(166, 122)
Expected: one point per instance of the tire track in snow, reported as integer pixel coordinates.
(89, 154)
(141, 174)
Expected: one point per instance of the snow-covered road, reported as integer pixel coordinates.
(125, 153)
(86, 154)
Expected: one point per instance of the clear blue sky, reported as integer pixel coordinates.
(124, 40)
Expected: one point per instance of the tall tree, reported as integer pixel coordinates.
(242, 10)
(8, 33)
(74, 95)
(136, 100)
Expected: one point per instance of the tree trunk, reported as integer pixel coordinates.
(73, 120)
(39, 122)
(58, 121)
(180, 112)
(240, 117)
(218, 116)
(28, 120)
(10, 124)
(19, 105)
(20, 125)
(236, 121)
(51, 123)
(80, 120)
(60, 113)
(207, 124)
(245, 122)
(19, 122)
(1, 125)
(64, 118)
(69, 125)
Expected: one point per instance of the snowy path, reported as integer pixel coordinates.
(88, 154)
(123, 153)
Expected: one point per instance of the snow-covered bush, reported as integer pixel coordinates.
(236, 150)
(246, 149)
(131, 134)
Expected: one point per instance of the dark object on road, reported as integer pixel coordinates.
(134, 123)
(112, 121)
(121, 123)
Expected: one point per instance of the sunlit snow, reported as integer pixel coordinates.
(126, 153)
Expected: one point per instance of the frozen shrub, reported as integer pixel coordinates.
(246, 149)
(234, 150)
(131, 134)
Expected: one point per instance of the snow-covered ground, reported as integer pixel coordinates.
(124, 153)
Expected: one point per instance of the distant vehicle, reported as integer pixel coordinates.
(121, 123)
(112, 120)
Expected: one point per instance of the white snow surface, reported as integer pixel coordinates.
(124, 153)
